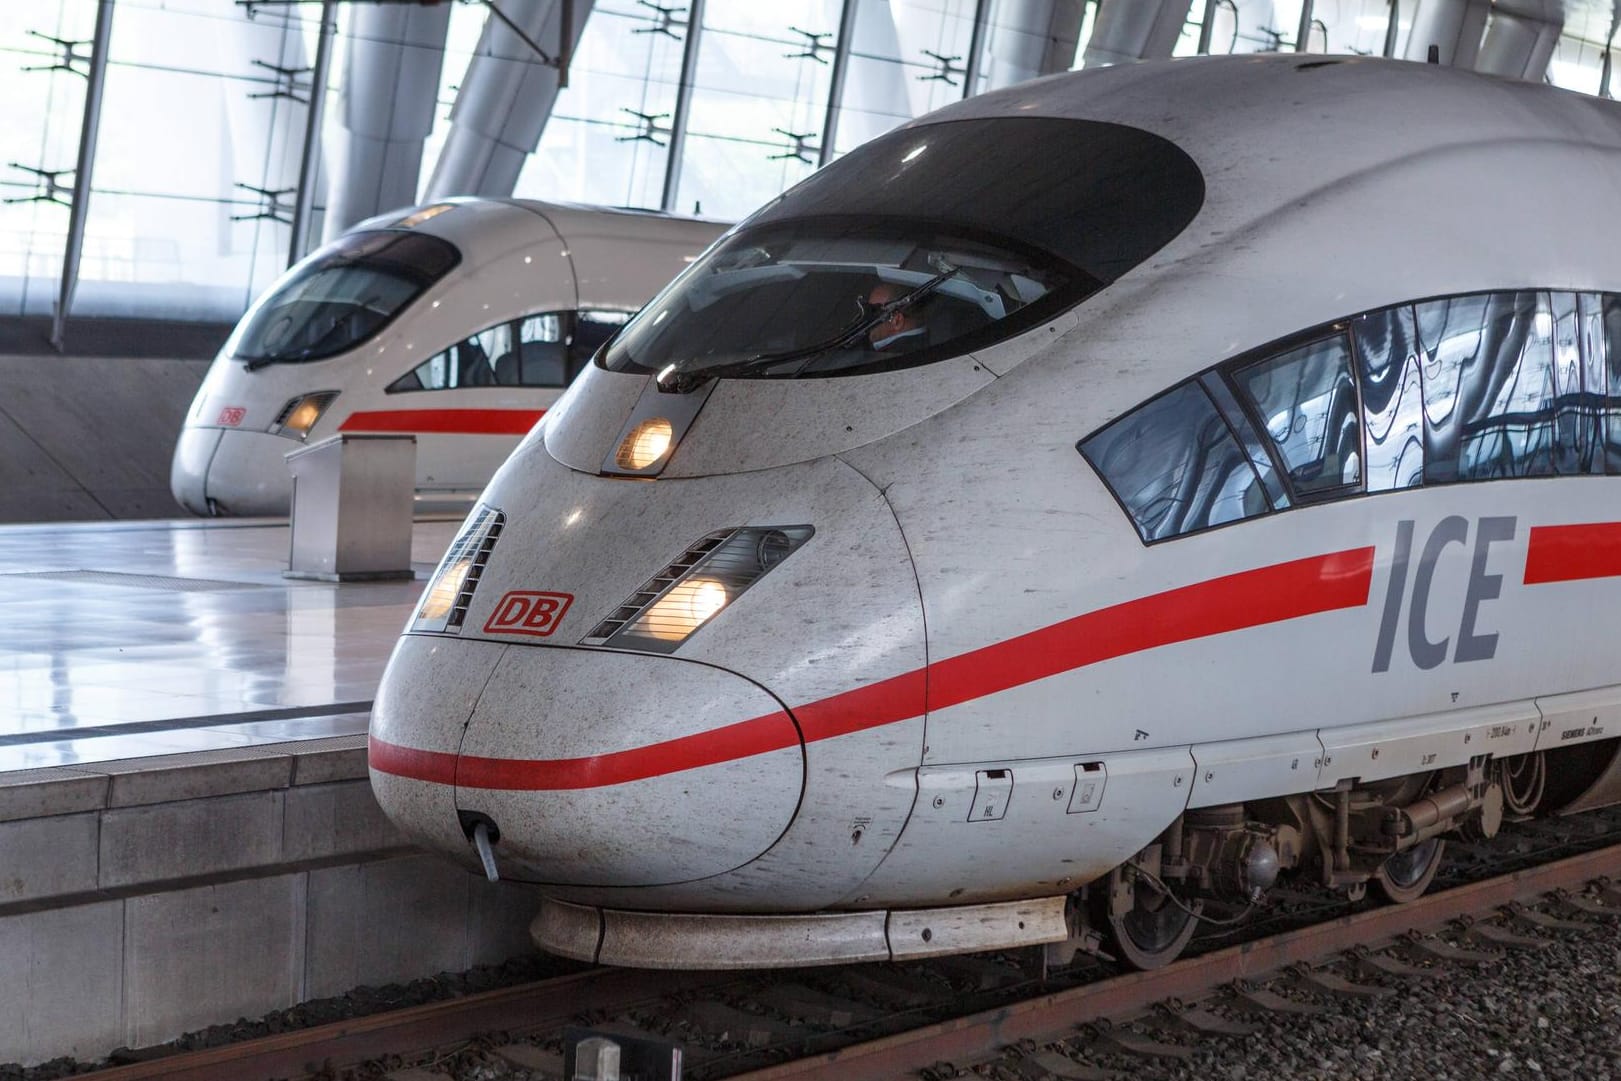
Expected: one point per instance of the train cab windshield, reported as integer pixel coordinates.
(926, 243)
(340, 296)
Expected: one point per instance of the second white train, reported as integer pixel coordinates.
(459, 322)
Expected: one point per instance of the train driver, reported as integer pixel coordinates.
(902, 330)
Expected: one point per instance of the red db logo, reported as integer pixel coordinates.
(231, 416)
(524, 611)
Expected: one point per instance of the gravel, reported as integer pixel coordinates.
(1550, 1015)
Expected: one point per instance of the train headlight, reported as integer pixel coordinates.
(709, 576)
(647, 443)
(686, 607)
(299, 415)
(450, 590)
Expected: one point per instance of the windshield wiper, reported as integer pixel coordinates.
(680, 382)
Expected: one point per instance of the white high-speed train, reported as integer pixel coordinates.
(460, 322)
(1066, 514)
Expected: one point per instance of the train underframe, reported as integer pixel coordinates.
(1389, 835)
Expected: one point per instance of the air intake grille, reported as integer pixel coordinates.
(655, 587)
(480, 541)
(450, 592)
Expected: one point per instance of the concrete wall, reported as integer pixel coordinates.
(144, 899)
(88, 438)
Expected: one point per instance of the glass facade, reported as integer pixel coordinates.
(205, 108)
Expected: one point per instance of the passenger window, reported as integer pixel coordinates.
(1306, 402)
(1392, 398)
(1175, 466)
(539, 360)
(1489, 362)
(591, 330)
(1610, 384)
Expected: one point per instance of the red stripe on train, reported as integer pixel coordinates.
(1253, 598)
(444, 421)
(1569, 553)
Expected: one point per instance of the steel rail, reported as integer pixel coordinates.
(1054, 1016)
(298, 1053)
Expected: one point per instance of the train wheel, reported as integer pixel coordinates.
(1155, 929)
(1406, 875)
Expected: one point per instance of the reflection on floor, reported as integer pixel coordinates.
(139, 638)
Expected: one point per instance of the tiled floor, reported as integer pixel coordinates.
(135, 638)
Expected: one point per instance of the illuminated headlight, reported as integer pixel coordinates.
(450, 590)
(698, 586)
(299, 415)
(648, 442)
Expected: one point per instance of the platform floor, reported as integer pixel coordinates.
(120, 640)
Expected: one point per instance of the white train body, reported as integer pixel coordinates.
(460, 290)
(1034, 628)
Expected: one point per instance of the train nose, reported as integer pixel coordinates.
(597, 768)
(224, 471)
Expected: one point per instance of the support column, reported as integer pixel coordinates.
(683, 101)
(976, 49)
(305, 196)
(79, 209)
(1454, 27)
(1030, 38)
(506, 97)
(1520, 40)
(1128, 30)
(390, 88)
(835, 89)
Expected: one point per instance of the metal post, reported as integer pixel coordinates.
(835, 90)
(79, 209)
(1391, 28)
(1303, 35)
(303, 198)
(976, 47)
(683, 100)
(1207, 27)
(565, 44)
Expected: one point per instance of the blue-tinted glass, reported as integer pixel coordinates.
(1392, 408)
(1490, 387)
(1175, 466)
(1306, 401)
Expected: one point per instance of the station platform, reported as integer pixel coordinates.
(187, 830)
(123, 640)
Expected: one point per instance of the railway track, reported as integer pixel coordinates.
(987, 1017)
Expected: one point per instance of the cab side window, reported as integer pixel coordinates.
(1305, 401)
(1175, 466)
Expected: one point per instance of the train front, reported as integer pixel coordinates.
(674, 666)
(344, 329)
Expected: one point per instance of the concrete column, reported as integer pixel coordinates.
(1520, 39)
(1454, 27)
(1135, 30)
(1031, 38)
(386, 106)
(506, 97)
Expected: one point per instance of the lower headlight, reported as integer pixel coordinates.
(299, 415)
(698, 586)
(450, 590)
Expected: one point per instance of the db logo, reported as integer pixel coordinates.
(231, 416)
(526, 612)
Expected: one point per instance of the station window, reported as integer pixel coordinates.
(543, 350)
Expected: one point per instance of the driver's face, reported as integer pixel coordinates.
(894, 323)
